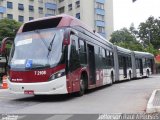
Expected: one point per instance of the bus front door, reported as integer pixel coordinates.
(91, 63)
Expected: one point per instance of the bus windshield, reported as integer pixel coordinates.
(37, 49)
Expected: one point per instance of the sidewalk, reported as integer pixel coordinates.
(154, 102)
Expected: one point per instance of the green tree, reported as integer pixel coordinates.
(125, 38)
(8, 28)
(151, 49)
(149, 32)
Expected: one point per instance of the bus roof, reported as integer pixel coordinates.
(143, 54)
(58, 21)
(123, 50)
(52, 22)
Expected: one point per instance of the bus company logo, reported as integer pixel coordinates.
(17, 80)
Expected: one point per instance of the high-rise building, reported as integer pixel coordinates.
(25, 10)
(98, 14)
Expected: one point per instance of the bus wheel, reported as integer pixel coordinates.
(82, 87)
(130, 76)
(112, 78)
(147, 73)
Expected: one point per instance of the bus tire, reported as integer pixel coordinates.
(83, 85)
(82, 88)
(130, 76)
(112, 78)
(147, 73)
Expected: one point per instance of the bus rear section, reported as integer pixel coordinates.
(143, 64)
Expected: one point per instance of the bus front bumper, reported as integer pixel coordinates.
(57, 86)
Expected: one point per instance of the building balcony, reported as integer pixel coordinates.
(100, 1)
(2, 9)
(50, 6)
(100, 23)
(100, 11)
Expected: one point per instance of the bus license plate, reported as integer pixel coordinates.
(29, 92)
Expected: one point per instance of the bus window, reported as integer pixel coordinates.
(107, 58)
(144, 62)
(97, 56)
(74, 57)
(137, 63)
(112, 59)
(120, 59)
(82, 52)
(103, 60)
(129, 62)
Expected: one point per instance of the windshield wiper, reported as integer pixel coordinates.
(49, 48)
(51, 44)
(45, 43)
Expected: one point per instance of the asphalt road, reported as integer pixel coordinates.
(125, 97)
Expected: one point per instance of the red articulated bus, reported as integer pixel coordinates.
(61, 55)
(55, 55)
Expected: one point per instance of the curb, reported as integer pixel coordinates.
(150, 107)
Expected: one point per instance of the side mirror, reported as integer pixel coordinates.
(68, 32)
(4, 42)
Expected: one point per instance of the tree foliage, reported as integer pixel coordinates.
(126, 39)
(149, 32)
(8, 28)
(145, 38)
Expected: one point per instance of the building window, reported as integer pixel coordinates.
(61, 10)
(99, 5)
(31, 8)
(40, 9)
(61, 1)
(9, 16)
(100, 29)
(100, 17)
(20, 18)
(9, 5)
(77, 4)
(78, 15)
(69, 7)
(50, 12)
(20, 7)
(31, 18)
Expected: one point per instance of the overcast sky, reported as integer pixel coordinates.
(127, 12)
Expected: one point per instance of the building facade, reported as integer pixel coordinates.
(25, 10)
(98, 14)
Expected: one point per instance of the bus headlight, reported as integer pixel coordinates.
(57, 75)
